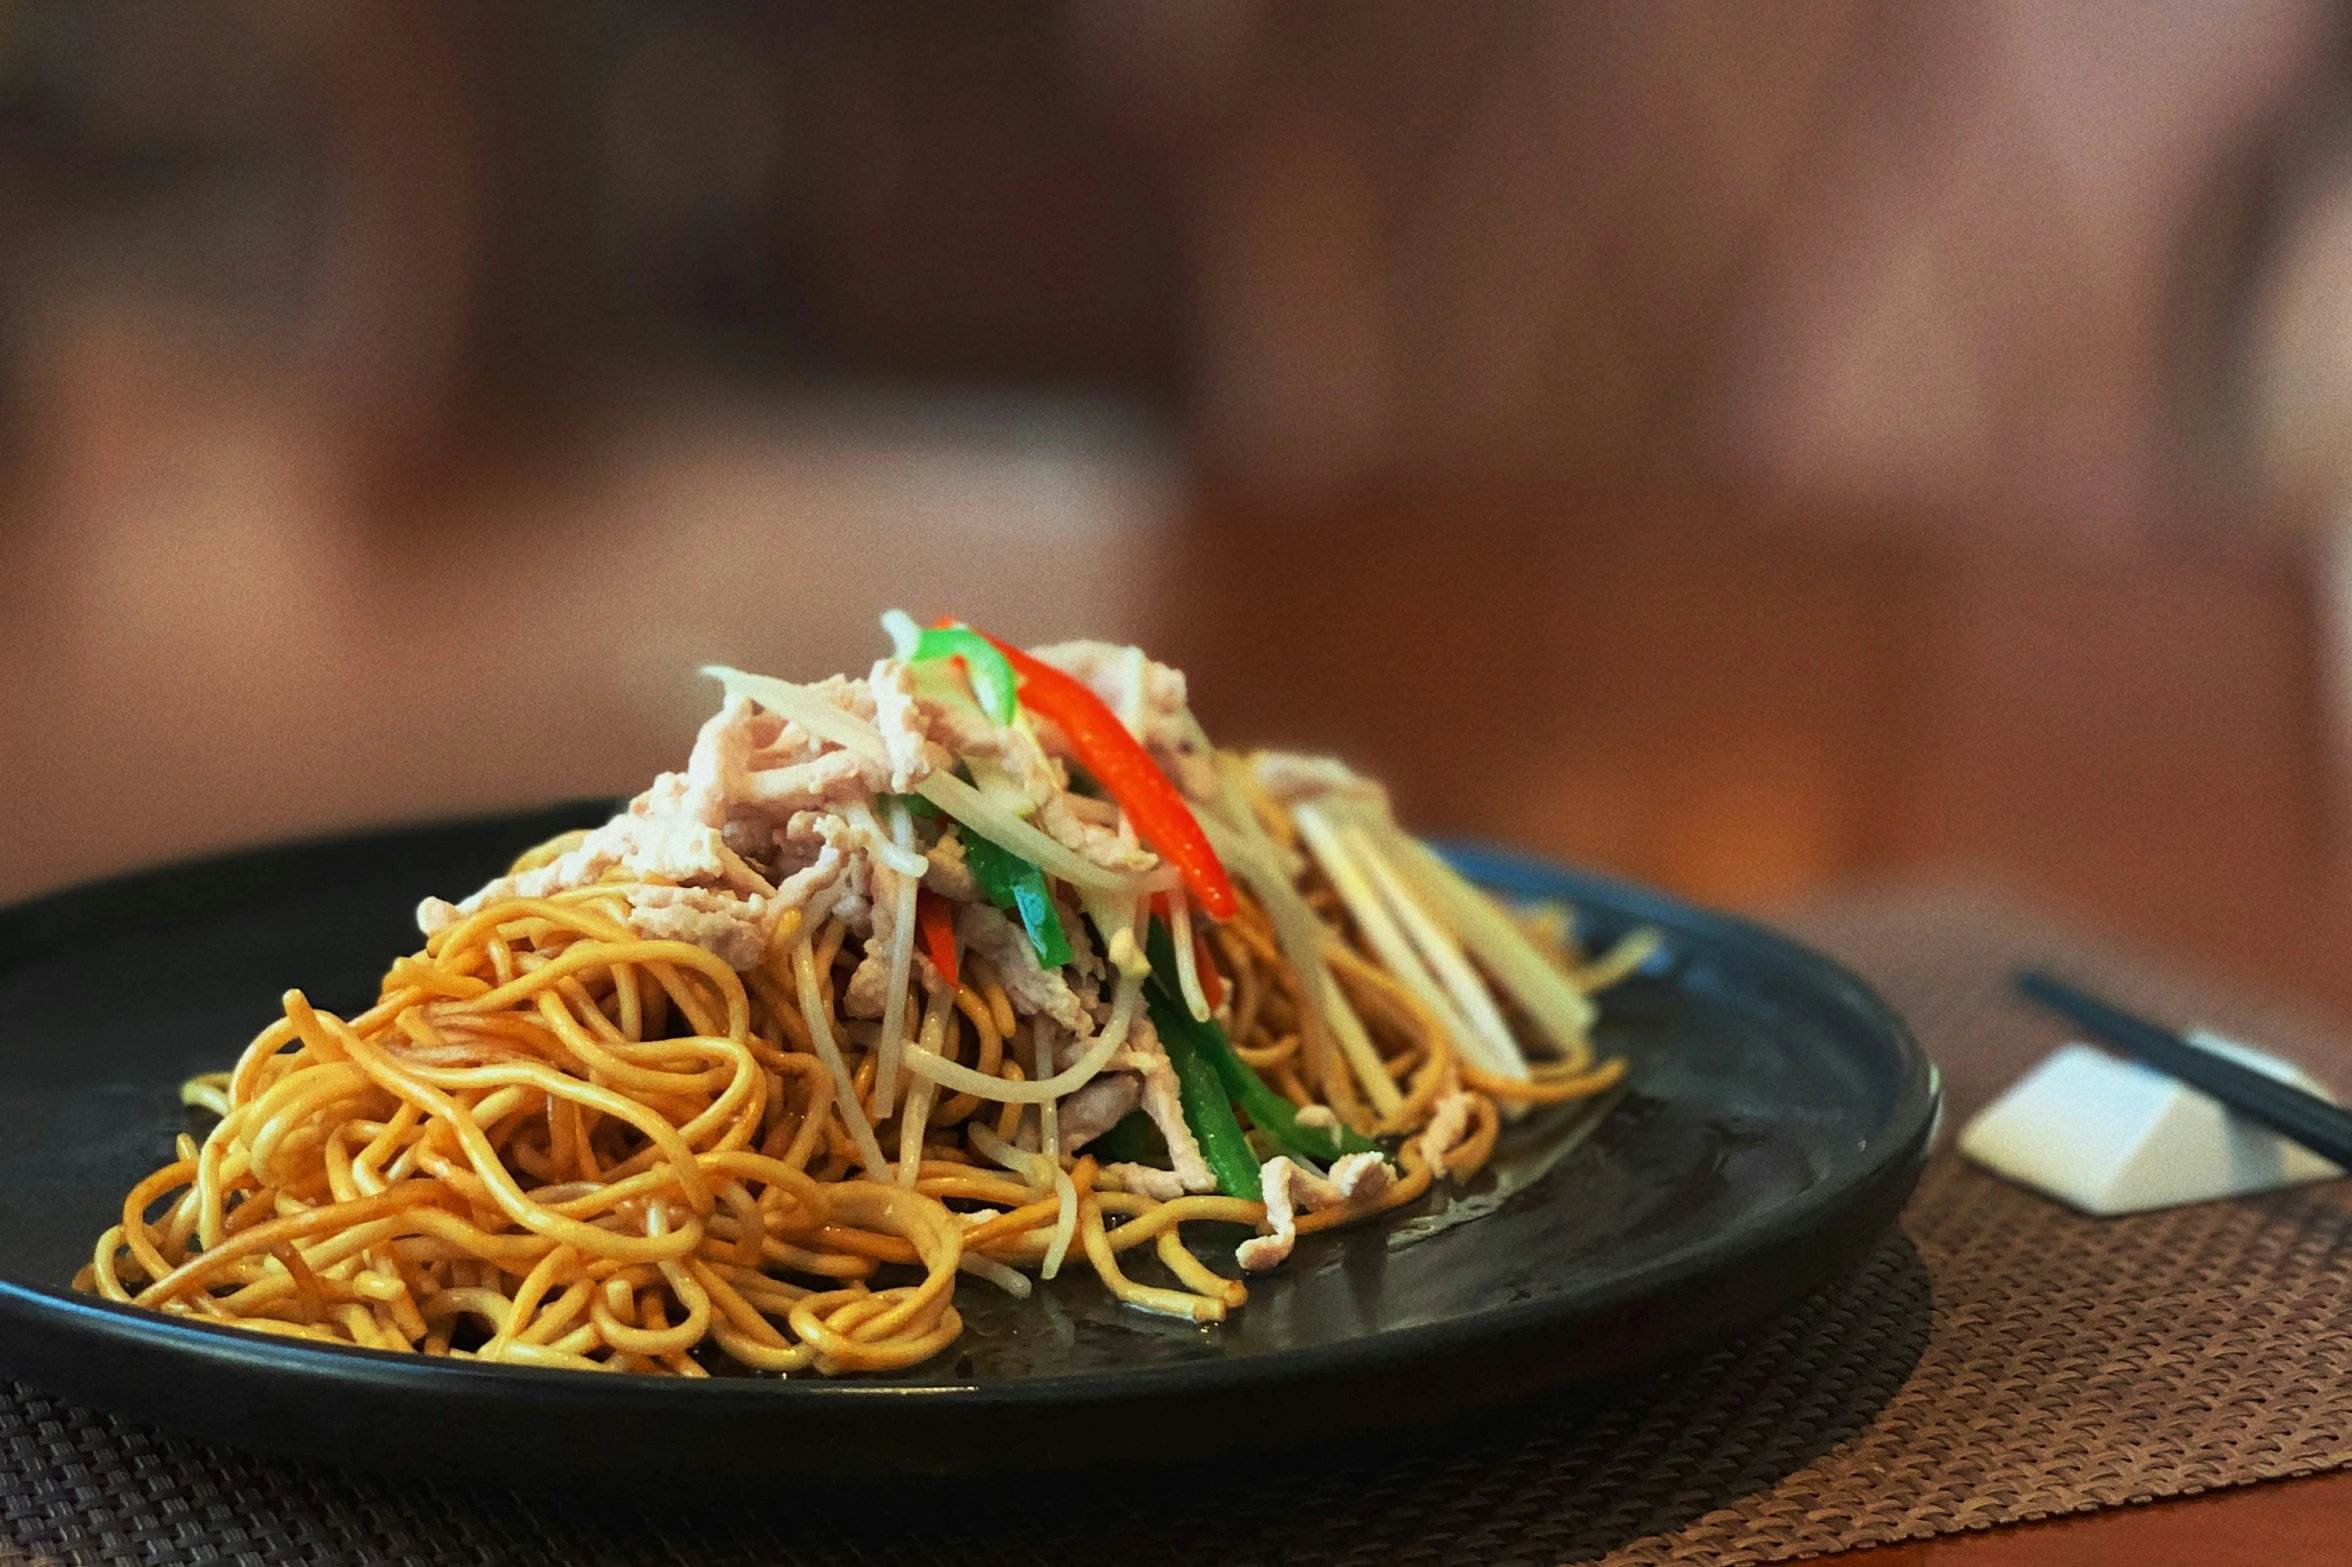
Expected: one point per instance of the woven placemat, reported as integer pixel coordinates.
(1999, 1360)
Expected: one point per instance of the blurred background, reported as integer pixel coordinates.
(1757, 450)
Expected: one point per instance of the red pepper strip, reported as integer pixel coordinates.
(1121, 765)
(1212, 982)
(938, 923)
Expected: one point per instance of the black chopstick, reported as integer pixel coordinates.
(2287, 1110)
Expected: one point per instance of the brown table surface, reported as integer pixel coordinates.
(1742, 714)
(2290, 1523)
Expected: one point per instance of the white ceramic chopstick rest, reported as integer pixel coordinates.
(2110, 1136)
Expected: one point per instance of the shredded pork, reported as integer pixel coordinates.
(734, 929)
(1357, 1180)
(1097, 1107)
(1033, 990)
(1147, 1058)
(1447, 1124)
(1144, 1181)
(767, 818)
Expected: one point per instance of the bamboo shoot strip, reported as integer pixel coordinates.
(1547, 996)
(1379, 928)
(1444, 954)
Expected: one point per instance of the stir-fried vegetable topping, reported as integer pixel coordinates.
(1127, 773)
(1439, 939)
(1268, 1111)
(990, 674)
(1207, 1112)
(1212, 982)
(937, 920)
(1014, 883)
(1132, 1140)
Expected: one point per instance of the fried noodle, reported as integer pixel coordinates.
(556, 1140)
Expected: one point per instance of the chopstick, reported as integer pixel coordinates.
(2287, 1110)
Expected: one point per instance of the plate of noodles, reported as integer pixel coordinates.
(945, 1055)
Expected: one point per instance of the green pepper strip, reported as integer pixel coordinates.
(1012, 882)
(990, 672)
(1268, 1110)
(1208, 1113)
(1133, 1139)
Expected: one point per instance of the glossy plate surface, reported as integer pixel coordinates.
(1775, 1118)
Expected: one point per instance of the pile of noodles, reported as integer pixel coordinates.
(554, 1142)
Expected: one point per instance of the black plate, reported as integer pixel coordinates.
(1776, 1117)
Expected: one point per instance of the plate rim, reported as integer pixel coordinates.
(1908, 1130)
